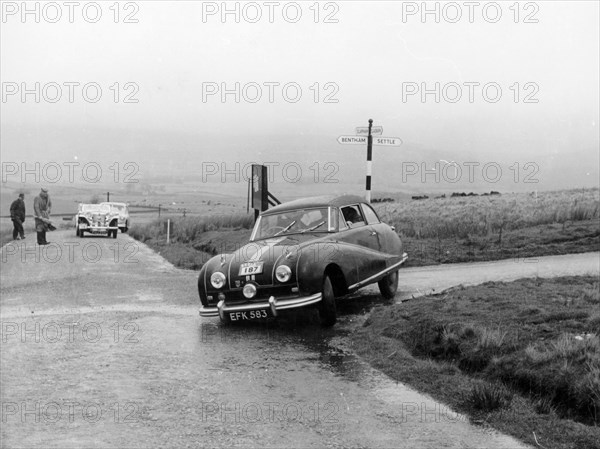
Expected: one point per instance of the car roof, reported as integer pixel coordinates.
(90, 206)
(316, 201)
(112, 203)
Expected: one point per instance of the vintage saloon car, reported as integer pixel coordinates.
(96, 219)
(304, 252)
(123, 211)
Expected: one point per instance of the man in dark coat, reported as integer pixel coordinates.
(41, 210)
(17, 215)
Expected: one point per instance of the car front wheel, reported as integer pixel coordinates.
(388, 285)
(327, 311)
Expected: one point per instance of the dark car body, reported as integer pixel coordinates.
(331, 246)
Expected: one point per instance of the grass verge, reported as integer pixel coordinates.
(193, 241)
(523, 357)
(436, 231)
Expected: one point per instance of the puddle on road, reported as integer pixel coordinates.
(331, 349)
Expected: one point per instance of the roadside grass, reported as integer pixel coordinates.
(468, 217)
(434, 231)
(471, 229)
(523, 356)
(193, 240)
(539, 240)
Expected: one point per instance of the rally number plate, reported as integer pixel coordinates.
(249, 268)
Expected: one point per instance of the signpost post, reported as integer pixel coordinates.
(369, 160)
(364, 135)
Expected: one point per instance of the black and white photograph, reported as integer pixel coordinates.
(300, 224)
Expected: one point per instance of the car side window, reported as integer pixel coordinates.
(370, 214)
(342, 221)
(353, 216)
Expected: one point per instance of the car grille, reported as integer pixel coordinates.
(99, 220)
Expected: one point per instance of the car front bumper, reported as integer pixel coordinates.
(272, 304)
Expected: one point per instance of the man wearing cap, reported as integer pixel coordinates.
(41, 209)
(17, 215)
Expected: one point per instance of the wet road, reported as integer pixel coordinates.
(102, 346)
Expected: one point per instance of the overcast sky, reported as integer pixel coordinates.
(367, 62)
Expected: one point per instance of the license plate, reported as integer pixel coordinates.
(248, 315)
(249, 268)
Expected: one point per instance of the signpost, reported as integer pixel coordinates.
(365, 135)
(388, 141)
(352, 140)
(362, 140)
(364, 131)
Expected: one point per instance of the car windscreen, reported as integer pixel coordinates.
(95, 208)
(292, 222)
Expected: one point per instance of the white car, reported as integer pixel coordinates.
(96, 219)
(123, 211)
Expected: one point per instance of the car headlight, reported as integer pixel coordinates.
(283, 273)
(249, 291)
(217, 279)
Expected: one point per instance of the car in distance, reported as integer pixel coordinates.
(96, 219)
(123, 211)
(306, 252)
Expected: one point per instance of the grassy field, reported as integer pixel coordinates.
(448, 230)
(523, 356)
(445, 230)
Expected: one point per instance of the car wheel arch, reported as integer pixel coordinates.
(338, 280)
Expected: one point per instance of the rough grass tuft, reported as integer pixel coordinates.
(489, 397)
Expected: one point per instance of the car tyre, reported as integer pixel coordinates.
(114, 234)
(327, 309)
(388, 285)
(77, 231)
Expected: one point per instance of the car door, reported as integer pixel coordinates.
(389, 244)
(364, 238)
(377, 232)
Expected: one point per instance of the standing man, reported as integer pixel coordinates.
(41, 209)
(17, 215)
